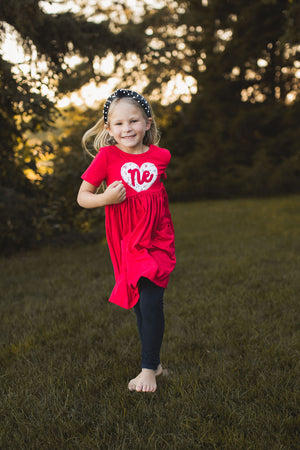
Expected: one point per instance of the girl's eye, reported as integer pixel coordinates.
(134, 120)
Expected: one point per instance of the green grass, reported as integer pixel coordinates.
(232, 329)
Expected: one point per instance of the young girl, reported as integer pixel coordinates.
(139, 228)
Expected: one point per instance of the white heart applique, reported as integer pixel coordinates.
(139, 178)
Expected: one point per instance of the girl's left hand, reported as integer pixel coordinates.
(87, 197)
(114, 193)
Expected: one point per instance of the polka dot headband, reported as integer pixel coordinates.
(123, 93)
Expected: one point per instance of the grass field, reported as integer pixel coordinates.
(231, 343)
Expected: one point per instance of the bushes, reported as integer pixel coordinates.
(34, 212)
(19, 220)
(48, 211)
(253, 151)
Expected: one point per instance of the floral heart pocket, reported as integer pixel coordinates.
(139, 178)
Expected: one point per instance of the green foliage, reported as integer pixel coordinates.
(230, 345)
(20, 112)
(47, 210)
(253, 152)
(237, 136)
(18, 220)
(61, 187)
(51, 202)
(223, 146)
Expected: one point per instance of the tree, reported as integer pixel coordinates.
(51, 39)
(232, 131)
(238, 124)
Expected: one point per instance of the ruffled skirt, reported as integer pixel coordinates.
(140, 236)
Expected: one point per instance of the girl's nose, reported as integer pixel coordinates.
(127, 126)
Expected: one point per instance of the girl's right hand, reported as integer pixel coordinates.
(114, 193)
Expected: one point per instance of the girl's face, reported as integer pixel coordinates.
(127, 125)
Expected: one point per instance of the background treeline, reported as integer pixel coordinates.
(234, 131)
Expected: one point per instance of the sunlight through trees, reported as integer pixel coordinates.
(224, 79)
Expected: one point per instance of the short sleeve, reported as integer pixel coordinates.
(96, 172)
(167, 158)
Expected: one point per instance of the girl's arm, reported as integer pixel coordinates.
(87, 198)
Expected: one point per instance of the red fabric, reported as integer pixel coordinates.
(140, 232)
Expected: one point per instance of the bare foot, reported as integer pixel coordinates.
(146, 380)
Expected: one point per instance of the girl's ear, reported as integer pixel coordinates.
(148, 123)
(106, 127)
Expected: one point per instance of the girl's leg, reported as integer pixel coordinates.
(150, 320)
(139, 319)
(153, 322)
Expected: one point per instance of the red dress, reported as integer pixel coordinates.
(140, 232)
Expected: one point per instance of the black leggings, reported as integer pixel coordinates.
(150, 321)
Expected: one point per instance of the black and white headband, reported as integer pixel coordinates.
(121, 93)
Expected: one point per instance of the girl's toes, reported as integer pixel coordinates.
(139, 387)
(144, 382)
(131, 386)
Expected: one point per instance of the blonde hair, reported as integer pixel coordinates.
(100, 136)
